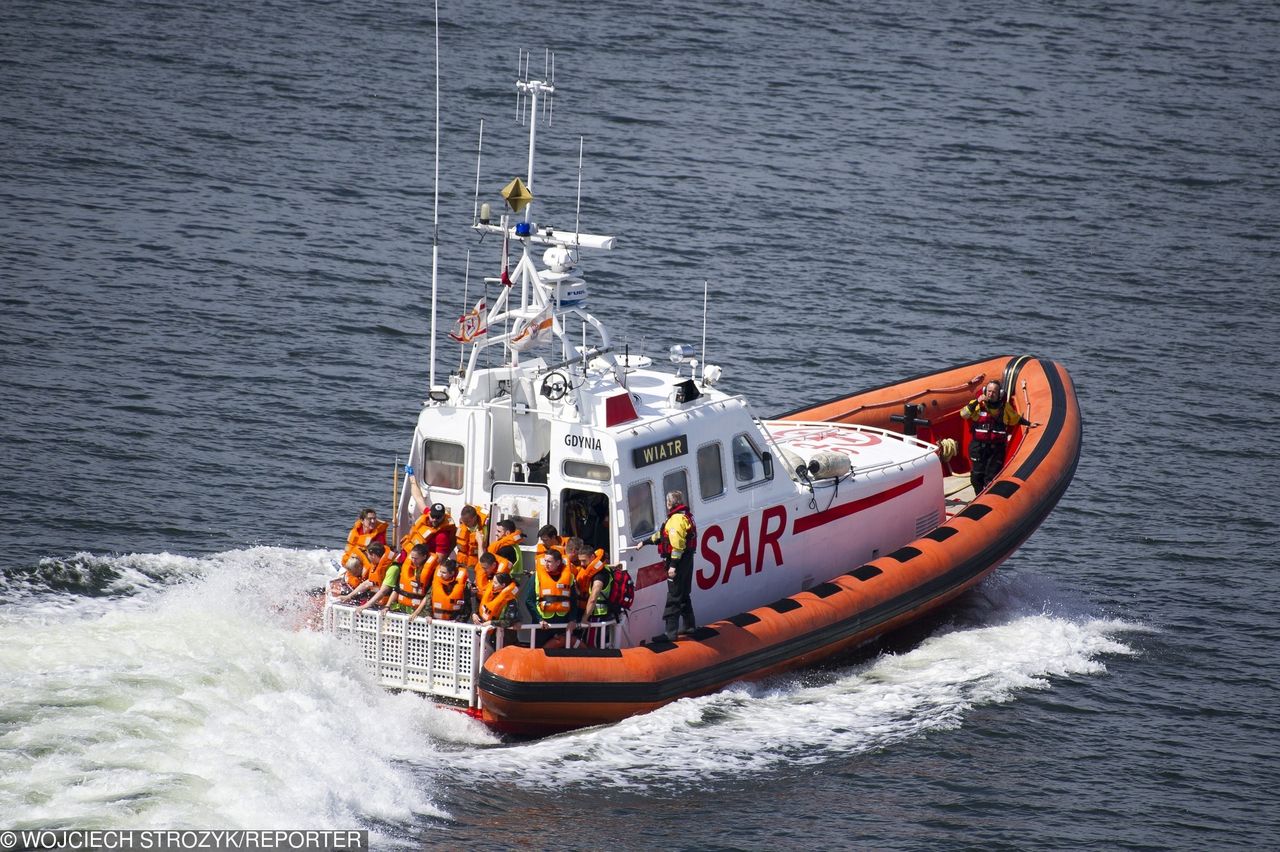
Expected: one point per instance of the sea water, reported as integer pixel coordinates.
(214, 308)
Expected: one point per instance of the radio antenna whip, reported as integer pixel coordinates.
(578, 211)
(435, 209)
(475, 207)
(704, 329)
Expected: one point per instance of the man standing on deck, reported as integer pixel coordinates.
(677, 540)
(990, 417)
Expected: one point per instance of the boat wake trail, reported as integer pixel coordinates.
(194, 700)
(1002, 640)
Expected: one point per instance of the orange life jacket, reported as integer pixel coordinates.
(448, 600)
(376, 573)
(423, 531)
(358, 539)
(354, 580)
(559, 545)
(588, 573)
(483, 582)
(494, 604)
(414, 585)
(512, 538)
(554, 594)
(469, 542)
(515, 566)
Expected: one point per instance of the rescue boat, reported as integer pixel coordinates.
(819, 529)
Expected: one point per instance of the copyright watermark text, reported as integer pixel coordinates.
(166, 839)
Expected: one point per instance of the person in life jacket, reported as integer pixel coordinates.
(470, 536)
(406, 582)
(450, 594)
(486, 569)
(990, 417)
(507, 545)
(549, 538)
(677, 539)
(435, 529)
(592, 580)
(375, 560)
(365, 530)
(498, 606)
(550, 596)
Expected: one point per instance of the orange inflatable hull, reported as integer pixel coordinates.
(532, 691)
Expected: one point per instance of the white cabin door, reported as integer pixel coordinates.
(526, 503)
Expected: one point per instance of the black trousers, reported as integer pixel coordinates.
(987, 458)
(679, 604)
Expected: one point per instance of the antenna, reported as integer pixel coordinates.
(475, 209)
(466, 286)
(549, 75)
(577, 212)
(435, 210)
(704, 330)
(522, 75)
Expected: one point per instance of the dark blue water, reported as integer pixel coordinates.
(215, 256)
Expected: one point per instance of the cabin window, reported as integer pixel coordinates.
(640, 508)
(586, 470)
(585, 515)
(710, 471)
(442, 464)
(748, 462)
(676, 480)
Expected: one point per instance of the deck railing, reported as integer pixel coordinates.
(436, 657)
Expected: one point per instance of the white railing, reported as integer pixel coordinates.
(435, 657)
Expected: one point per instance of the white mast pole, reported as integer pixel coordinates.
(435, 209)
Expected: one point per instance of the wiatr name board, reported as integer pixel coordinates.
(661, 451)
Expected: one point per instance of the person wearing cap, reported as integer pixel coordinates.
(435, 529)
(990, 417)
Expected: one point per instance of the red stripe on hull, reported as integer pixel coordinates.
(813, 521)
